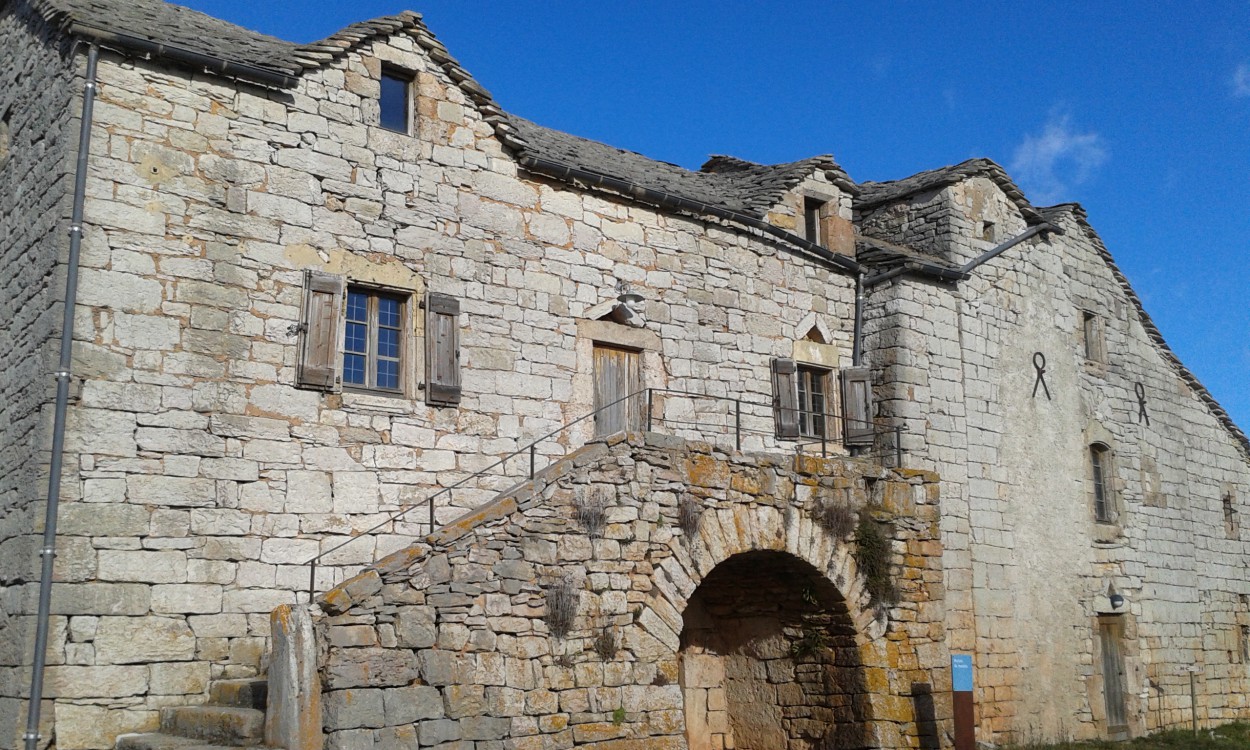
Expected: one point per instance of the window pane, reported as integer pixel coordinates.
(388, 312)
(388, 374)
(357, 307)
(394, 103)
(356, 338)
(388, 343)
(354, 369)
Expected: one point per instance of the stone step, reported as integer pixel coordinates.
(245, 693)
(224, 725)
(162, 742)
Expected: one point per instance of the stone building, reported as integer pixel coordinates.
(321, 284)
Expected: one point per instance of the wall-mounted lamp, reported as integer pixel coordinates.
(1115, 597)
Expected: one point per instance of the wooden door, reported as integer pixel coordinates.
(619, 400)
(1110, 632)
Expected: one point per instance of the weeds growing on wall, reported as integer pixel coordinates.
(689, 511)
(563, 598)
(592, 510)
(834, 517)
(872, 555)
(605, 643)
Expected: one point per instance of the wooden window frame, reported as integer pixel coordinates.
(813, 423)
(373, 325)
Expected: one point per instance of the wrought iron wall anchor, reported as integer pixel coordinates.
(1141, 404)
(1039, 364)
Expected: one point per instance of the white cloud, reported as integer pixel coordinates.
(1241, 80)
(1049, 163)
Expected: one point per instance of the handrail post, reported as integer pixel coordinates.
(431, 500)
(650, 404)
(738, 424)
(898, 446)
(532, 447)
(824, 445)
(312, 579)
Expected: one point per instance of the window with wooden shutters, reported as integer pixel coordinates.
(857, 425)
(442, 350)
(786, 398)
(319, 331)
(813, 404)
(373, 342)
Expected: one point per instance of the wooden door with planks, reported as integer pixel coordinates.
(619, 400)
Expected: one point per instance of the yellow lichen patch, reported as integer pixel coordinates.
(705, 471)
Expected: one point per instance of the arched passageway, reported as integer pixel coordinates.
(769, 659)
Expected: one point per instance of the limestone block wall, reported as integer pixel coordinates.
(1028, 571)
(205, 479)
(37, 142)
(584, 609)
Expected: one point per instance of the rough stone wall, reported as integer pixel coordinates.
(207, 480)
(1027, 565)
(927, 222)
(37, 106)
(461, 637)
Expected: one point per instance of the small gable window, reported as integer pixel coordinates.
(395, 101)
(811, 220)
(988, 231)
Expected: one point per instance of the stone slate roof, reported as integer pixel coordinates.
(873, 194)
(727, 182)
(174, 25)
(1057, 212)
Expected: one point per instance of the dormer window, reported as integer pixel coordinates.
(395, 101)
(811, 220)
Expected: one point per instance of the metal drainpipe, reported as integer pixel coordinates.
(857, 338)
(48, 550)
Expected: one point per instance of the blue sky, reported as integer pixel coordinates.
(1140, 112)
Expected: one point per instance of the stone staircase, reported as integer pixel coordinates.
(233, 717)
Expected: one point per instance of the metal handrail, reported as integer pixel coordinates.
(532, 447)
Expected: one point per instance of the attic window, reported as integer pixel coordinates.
(395, 101)
(811, 220)
(987, 231)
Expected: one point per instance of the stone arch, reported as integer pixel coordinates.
(837, 695)
(769, 659)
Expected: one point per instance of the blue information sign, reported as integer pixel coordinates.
(961, 673)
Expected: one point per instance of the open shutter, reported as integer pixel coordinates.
(319, 331)
(786, 398)
(442, 350)
(857, 426)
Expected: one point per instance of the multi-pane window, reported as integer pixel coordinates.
(1100, 463)
(373, 344)
(814, 395)
(394, 102)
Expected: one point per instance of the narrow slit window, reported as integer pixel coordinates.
(811, 220)
(395, 102)
(1091, 330)
(1100, 464)
(987, 231)
(1231, 526)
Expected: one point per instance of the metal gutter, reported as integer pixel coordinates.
(48, 551)
(212, 64)
(668, 200)
(945, 273)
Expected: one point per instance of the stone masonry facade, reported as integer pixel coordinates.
(203, 473)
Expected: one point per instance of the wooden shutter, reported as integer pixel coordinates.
(442, 350)
(857, 426)
(786, 398)
(319, 331)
